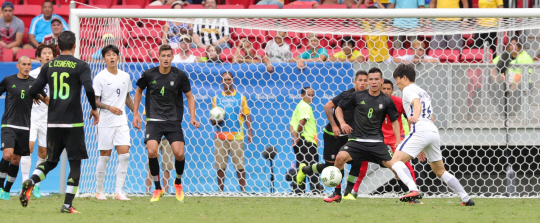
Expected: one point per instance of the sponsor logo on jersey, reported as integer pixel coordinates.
(71, 180)
(13, 86)
(147, 136)
(363, 103)
(380, 106)
(154, 82)
(346, 147)
(172, 83)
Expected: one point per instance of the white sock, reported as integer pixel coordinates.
(26, 164)
(405, 175)
(121, 171)
(39, 161)
(101, 168)
(454, 184)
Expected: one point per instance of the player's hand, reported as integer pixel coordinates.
(115, 110)
(137, 121)
(37, 102)
(269, 68)
(295, 141)
(416, 60)
(412, 120)
(346, 128)
(422, 157)
(95, 114)
(300, 64)
(195, 123)
(336, 131)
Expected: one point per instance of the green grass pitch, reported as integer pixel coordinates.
(251, 209)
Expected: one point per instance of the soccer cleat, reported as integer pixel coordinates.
(121, 196)
(413, 195)
(26, 192)
(70, 210)
(349, 197)
(414, 201)
(179, 192)
(470, 202)
(36, 192)
(354, 194)
(157, 195)
(4, 195)
(333, 198)
(100, 196)
(300, 175)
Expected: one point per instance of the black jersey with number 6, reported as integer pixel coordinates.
(369, 114)
(18, 101)
(65, 75)
(164, 100)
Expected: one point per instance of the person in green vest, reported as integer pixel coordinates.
(303, 128)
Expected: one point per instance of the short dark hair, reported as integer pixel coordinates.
(406, 70)
(386, 81)
(348, 40)
(43, 46)
(227, 72)
(360, 72)
(375, 70)
(109, 48)
(42, 4)
(518, 44)
(164, 47)
(304, 90)
(66, 40)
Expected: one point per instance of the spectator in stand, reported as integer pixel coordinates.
(11, 29)
(406, 24)
(348, 53)
(488, 23)
(185, 55)
(213, 54)
(348, 3)
(208, 32)
(314, 53)
(377, 44)
(41, 25)
(377, 3)
(173, 30)
(313, 3)
(57, 27)
(279, 3)
(171, 2)
(514, 55)
(249, 54)
(419, 55)
(107, 39)
(277, 51)
(451, 41)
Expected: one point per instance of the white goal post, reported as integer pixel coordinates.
(489, 128)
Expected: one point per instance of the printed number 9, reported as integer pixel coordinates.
(370, 113)
(118, 92)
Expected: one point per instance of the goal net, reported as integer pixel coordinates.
(487, 111)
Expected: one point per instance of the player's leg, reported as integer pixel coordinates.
(332, 145)
(154, 132)
(179, 164)
(237, 157)
(299, 187)
(331, 149)
(26, 161)
(363, 171)
(105, 137)
(167, 163)
(221, 156)
(76, 151)
(12, 171)
(42, 152)
(122, 143)
(312, 158)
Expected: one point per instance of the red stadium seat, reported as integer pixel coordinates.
(8, 55)
(194, 6)
(198, 52)
(365, 52)
(402, 52)
(141, 3)
(26, 52)
(62, 11)
(263, 7)
(255, 36)
(126, 7)
(27, 13)
(297, 7)
(66, 2)
(31, 2)
(136, 54)
(332, 6)
(158, 7)
(446, 55)
(230, 7)
(227, 55)
(474, 56)
(108, 3)
(25, 36)
(244, 3)
(92, 7)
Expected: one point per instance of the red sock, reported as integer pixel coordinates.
(363, 171)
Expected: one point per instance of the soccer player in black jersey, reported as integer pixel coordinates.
(366, 140)
(334, 139)
(164, 111)
(65, 75)
(16, 122)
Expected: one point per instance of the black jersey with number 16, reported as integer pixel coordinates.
(18, 101)
(65, 75)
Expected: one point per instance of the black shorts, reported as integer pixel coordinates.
(71, 139)
(332, 145)
(17, 139)
(375, 152)
(172, 130)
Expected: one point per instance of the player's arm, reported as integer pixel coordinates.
(40, 83)
(42, 98)
(416, 108)
(129, 102)
(269, 66)
(394, 116)
(3, 86)
(112, 109)
(329, 111)
(137, 102)
(345, 103)
(86, 81)
(191, 106)
(247, 115)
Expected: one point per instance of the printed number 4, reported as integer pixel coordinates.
(162, 91)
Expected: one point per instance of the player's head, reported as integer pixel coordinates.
(110, 55)
(56, 26)
(177, 5)
(246, 46)
(514, 46)
(307, 94)
(185, 42)
(375, 79)
(227, 79)
(165, 55)
(213, 52)
(347, 45)
(360, 80)
(419, 48)
(388, 87)
(279, 37)
(210, 4)
(313, 41)
(47, 8)
(24, 64)
(7, 10)
(404, 75)
(66, 41)
(45, 52)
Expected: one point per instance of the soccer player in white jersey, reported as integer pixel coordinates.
(112, 87)
(38, 122)
(423, 140)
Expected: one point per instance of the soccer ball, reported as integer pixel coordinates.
(331, 176)
(217, 114)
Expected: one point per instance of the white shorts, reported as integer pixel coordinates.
(427, 141)
(38, 130)
(109, 137)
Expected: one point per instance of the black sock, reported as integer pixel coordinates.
(179, 166)
(351, 180)
(154, 171)
(4, 167)
(315, 168)
(73, 181)
(12, 175)
(403, 186)
(337, 189)
(42, 169)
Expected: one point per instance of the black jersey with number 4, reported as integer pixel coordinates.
(369, 114)
(164, 100)
(18, 101)
(65, 75)
(348, 114)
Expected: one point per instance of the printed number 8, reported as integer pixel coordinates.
(370, 113)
